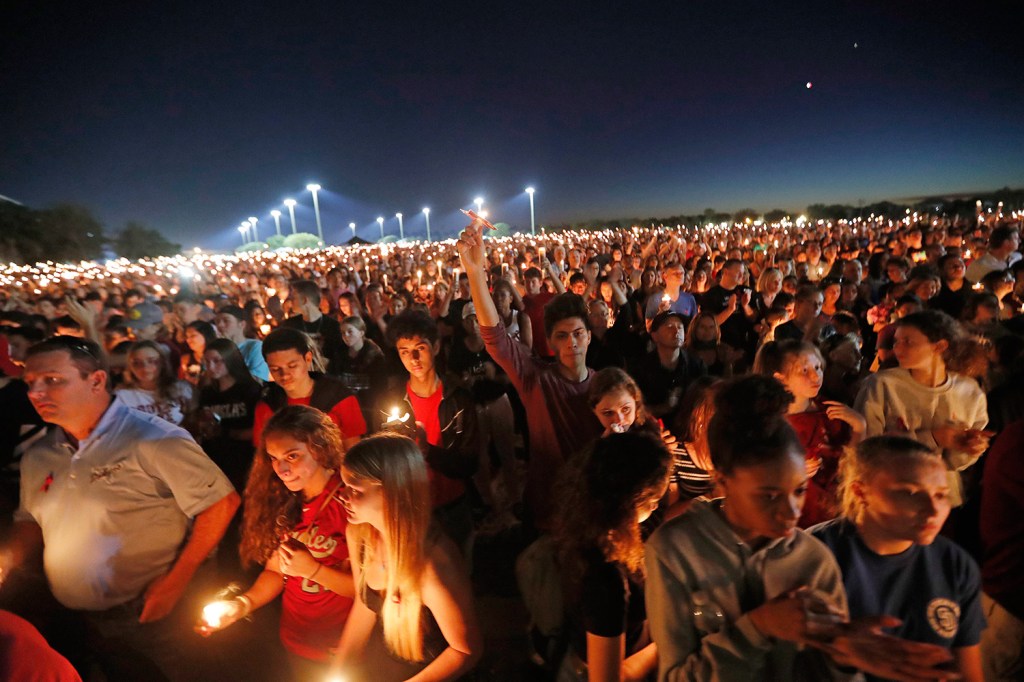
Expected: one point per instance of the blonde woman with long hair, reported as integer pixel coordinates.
(413, 616)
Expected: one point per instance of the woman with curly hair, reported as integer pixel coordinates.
(151, 386)
(413, 614)
(295, 526)
(612, 488)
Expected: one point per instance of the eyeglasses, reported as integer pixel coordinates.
(73, 343)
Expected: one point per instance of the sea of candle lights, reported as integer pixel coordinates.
(167, 275)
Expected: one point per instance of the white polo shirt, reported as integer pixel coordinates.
(115, 512)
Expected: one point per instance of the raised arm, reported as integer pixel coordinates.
(474, 260)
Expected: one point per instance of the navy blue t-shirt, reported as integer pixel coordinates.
(934, 589)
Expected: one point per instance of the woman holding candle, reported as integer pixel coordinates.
(295, 525)
(150, 384)
(413, 616)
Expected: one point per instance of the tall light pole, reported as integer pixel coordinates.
(426, 214)
(277, 220)
(255, 231)
(380, 221)
(401, 226)
(241, 231)
(290, 203)
(314, 188)
(352, 226)
(479, 201)
(533, 227)
(246, 225)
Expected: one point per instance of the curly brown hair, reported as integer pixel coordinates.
(270, 508)
(601, 490)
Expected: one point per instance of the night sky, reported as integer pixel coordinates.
(191, 120)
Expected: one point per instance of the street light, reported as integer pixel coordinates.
(247, 225)
(426, 214)
(380, 221)
(353, 228)
(401, 227)
(314, 188)
(290, 203)
(241, 231)
(479, 201)
(255, 231)
(530, 191)
(277, 220)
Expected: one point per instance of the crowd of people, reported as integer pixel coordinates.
(753, 451)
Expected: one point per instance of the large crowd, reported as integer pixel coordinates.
(786, 451)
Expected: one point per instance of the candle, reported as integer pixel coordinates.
(265, 329)
(214, 613)
(419, 278)
(271, 292)
(396, 418)
(455, 277)
(385, 281)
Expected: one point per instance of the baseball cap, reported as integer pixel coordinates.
(143, 315)
(467, 310)
(663, 317)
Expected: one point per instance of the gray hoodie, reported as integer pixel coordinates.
(699, 551)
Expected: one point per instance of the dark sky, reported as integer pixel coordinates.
(191, 120)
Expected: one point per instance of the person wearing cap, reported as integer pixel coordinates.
(665, 373)
(230, 322)
(125, 508)
(145, 321)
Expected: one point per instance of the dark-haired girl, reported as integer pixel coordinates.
(735, 590)
(606, 496)
(925, 398)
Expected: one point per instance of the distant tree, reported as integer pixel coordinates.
(302, 240)
(501, 230)
(745, 213)
(251, 247)
(65, 232)
(275, 241)
(138, 241)
(775, 215)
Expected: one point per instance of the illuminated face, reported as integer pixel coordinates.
(351, 336)
(569, 339)
(579, 288)
(533, 285)
(145, 365)
(229, 326)
(773, 283)
(954, 268)
(294, 463)
(57, 389)
(913, 350)
(908, 499)
(765, 500)
(417, 355)
(705, 331)
(363, 499)
(616, 410)
(216, 368)
(670, 334)
(646, 506)
(831, 293)
(804, 376)
(598, 315)
(345, 306)
(195, 340)
(810, 308)
(289, 369)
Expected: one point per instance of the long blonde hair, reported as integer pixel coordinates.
(396, 463)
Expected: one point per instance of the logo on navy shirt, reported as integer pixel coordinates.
(943, 616)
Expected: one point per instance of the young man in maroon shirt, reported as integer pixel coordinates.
(558, 415)
(447, 416)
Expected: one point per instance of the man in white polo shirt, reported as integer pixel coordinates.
(110, 495)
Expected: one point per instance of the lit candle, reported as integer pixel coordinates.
(265, 329)
(396, 418)
(214, 613)
(271, 292)
(419, 278)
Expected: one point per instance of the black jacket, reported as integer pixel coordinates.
(459, 453)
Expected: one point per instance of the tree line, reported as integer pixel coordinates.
(70, 232)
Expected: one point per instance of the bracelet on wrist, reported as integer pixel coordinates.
(246, 603)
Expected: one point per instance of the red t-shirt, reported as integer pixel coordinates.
(823, 439)
(534, 307)
(346, 414)
(312, 617)
(443, 490)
